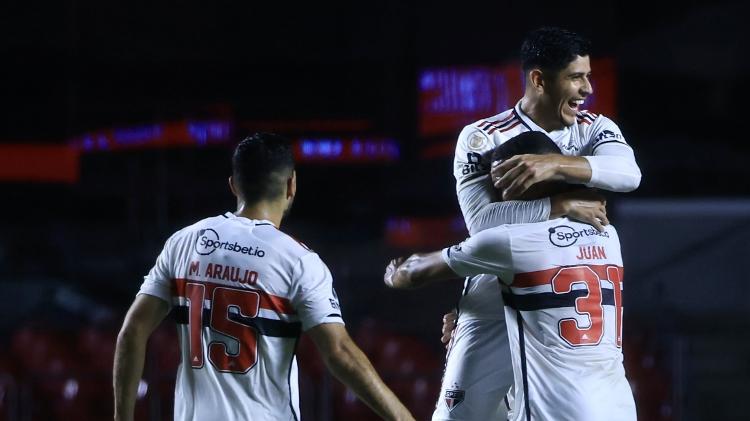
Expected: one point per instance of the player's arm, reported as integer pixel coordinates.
(609, 165)
(479, 201)
(612, 161)
(350, 365)
(317, 305)
(417, 271)
(476, 195)
(515, 175)
(485, 252)
(143, 317)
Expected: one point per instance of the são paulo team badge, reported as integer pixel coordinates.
(453, 397)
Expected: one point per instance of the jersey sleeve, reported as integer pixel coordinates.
(471, 163)
(613, 165)
(476, 194)
(158, 281)
(486, 252)
(314, 298)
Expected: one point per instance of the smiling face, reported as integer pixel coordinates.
(564, 94)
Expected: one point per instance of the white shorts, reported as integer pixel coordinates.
(478, 373)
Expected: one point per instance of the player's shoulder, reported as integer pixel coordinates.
(282, 242)
(195, 227)
(597, 124)
(587, 118)
(483, 135)
(499, 123)
(494, 235)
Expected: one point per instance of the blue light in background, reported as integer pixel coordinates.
(357, 148)
(203, 132)
(87, 143)
(464, 91)
(102, 142)
(322, 148)
(137, 135)
(401, 225)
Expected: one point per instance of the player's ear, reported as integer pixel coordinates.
(232, 187)
(536, 78)
(291, 185)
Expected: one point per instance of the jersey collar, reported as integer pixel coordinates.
(529, 123)
(230, 215)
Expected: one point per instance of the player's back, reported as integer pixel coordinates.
(563, 299)
(240, 301)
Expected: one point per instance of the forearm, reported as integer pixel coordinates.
(352, 368)
(618, 173)
(481, 210)
(574, 169)
(420, 270)
(510, 212)
(128, 369)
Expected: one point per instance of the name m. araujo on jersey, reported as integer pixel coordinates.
(241, 292)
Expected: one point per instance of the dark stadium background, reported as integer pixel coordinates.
(72, 253)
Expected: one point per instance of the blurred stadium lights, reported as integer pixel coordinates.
(60, 162)
(452, 97)
(347, 150)
(421, 233)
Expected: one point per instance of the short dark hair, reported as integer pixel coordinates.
(552, 49)
(525, 143)
(261, 163)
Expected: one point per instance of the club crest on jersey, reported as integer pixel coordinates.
(453, 397)
(476, 142)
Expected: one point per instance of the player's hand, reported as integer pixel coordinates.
(517, 174)
(390, 272)
(584, 205)
(449, 325)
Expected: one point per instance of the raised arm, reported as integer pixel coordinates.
(417, 271)
(143, 317)
(347, 362)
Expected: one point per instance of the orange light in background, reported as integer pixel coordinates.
(39, 163)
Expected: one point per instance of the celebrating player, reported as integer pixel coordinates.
(557, 72)
(242, 291)
(562, 284)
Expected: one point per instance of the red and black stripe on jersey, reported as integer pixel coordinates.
(585, 117)
(545, 300)
(502, 125)
(264, 326)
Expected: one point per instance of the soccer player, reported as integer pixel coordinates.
(557, 72)
(562, 284)
(242, 291)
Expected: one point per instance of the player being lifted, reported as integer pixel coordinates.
(557, 81)
(242, 291)
(562, 284)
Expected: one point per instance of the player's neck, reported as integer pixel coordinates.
(270, 211)
(532, 106)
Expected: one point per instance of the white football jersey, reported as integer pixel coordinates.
(241, 292)
(562, 287)
(476, 141)
(592, 135)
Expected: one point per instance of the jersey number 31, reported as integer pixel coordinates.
(590, 304)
